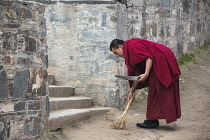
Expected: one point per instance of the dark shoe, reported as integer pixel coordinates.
(150, 124)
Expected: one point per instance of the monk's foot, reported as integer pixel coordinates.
(149, 124)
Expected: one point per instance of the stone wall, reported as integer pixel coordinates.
(78, 36)
(24, 104)
(182, 25)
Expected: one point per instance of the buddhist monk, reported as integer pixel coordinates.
(157, 67)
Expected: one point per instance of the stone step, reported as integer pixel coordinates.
(60, 91)
(69, 117)
(73, 102)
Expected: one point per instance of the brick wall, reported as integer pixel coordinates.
(24, 106)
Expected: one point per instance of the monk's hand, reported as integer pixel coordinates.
(143, 77)
(130, 96)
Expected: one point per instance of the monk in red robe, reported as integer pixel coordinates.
(157, 68)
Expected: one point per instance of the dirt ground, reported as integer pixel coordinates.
(193, 125)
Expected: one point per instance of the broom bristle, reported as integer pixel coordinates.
(120, 123)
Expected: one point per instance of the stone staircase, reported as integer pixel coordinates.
(67, 109)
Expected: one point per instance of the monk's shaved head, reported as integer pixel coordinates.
(115, 44)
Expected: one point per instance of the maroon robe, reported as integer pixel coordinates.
(163, 98)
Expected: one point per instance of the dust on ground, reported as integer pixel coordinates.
(193, 125)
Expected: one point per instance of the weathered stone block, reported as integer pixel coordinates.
(7, 59)
(9, 114)
(2, 59)
(32, 44)
(2, 131)
(43, 23)
(42, 90)
(8, 67)
(2, 11)
(51, 79)
(11, 89)
(193, 30)
(30, 85)
(154, 29)
(186, 6)
(37, 60)
(45, 74)
(8, 42)
(104, 18)
(33, 111)
(168, 33)
(11, 25)
(46, 61)
(199, 26)
(34, 105)
(10, 74)
(7, 107)
(43, 34)
(11, 14)
(25, 13)
(162, 12)
(112, 98)
(90, 34)
(178, 14)
(20, 106)
(21, 37)
(47, 106)
(32, 127)
(178, 30)
(180, 49)
(54, 17)
(165, 3)
(3, 84)
(15, 133)
(162, 34)
(6, 3)
(208, 27)
(41, 8)
(21, 84)
(24, 61)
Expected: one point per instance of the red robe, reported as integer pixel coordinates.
(163, 98)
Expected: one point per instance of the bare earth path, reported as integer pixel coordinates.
(193, 125)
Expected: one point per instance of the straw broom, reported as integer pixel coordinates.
(120, 123)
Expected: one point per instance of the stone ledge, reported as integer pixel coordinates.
(69, 117)
(78, 2)
(60, 91)
(70, 102)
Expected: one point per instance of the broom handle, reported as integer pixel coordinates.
(127, 107)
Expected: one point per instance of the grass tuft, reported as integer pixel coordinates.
(188, 57)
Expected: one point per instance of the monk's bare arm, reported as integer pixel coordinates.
(133, 88)
(144, 76)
